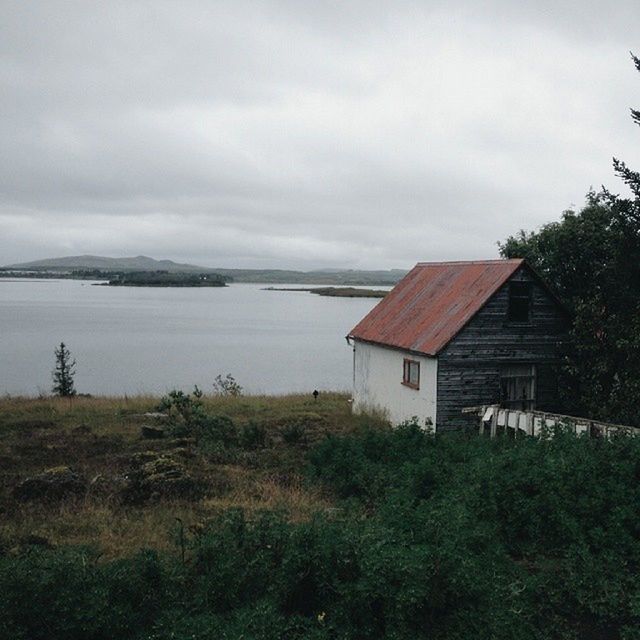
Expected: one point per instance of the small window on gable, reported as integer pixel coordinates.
(411, 373)
(519, 302)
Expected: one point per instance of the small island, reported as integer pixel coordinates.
(337, 292)
(166, 279)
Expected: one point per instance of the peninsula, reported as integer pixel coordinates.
(165, 279)
(337, 292)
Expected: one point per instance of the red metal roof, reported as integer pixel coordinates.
(432, 303)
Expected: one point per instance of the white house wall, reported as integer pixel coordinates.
(377, 384)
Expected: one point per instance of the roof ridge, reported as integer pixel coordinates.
(433, 303)
(463, 262)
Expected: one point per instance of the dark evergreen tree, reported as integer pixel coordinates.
(64, 372)
(592, 259)
(630, 177)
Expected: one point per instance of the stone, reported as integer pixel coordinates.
(153, 476)
(150, 415)
(107, 485)
(156, 415)
(52, 484)
(152, 432)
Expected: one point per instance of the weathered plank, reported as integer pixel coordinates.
(469, 366)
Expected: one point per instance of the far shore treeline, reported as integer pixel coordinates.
(102, 268)
(166, 279)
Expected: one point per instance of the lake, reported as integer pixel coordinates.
(150, 340)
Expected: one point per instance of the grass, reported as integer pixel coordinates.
(98, 437)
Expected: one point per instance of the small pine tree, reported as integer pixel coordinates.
(64, 372)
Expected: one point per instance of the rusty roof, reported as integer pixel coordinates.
(432, 303)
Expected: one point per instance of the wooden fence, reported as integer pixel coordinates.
(495, 419)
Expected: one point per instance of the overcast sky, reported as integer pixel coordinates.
(306, 134)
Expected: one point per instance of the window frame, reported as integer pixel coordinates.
(407, 363)
(514, 298)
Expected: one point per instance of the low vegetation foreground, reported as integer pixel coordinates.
(198, 517)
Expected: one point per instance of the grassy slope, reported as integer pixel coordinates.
(36, 434)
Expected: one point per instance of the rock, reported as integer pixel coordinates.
(182, 442)
(142, 457)
(156, 415)
(152, 432)
(53, 484)
(182, 452)
(150, 415)
(107, 485)
(153, 476)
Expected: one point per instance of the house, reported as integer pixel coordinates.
(457, 334)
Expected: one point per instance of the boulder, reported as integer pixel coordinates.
(152, 432)
(154, 476)
(149, 415)
(52, 484)
(107, 484)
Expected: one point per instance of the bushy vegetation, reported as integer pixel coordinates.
(429, 537)
(165, 279)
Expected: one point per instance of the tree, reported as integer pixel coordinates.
(227, 386)
(64, 372)
(592, 260)
(630, 177)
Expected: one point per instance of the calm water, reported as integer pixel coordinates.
(134, 340)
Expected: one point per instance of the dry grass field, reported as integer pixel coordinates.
(67, 467)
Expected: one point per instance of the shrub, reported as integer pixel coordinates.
(227, 386)
(188, 417)
(443, 537)
(253, 436)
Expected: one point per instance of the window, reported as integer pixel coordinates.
(411, 373)
(518, 386)
(519, 302)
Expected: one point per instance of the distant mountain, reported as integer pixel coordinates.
(139, 263)
(346, 277)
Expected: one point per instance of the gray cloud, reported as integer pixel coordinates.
(291, 134)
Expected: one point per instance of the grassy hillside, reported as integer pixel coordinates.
(100, 438)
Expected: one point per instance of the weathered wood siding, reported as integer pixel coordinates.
(469, 366)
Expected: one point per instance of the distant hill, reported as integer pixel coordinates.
(139, 263)
(324, 276)
(64, 267)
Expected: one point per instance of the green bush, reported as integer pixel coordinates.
(67, 594)
(438, 537)
(188, 417)
(252, 436)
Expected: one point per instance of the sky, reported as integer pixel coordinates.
(305, 135)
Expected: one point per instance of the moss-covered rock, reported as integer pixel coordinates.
(159, 475)
(52, 484)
